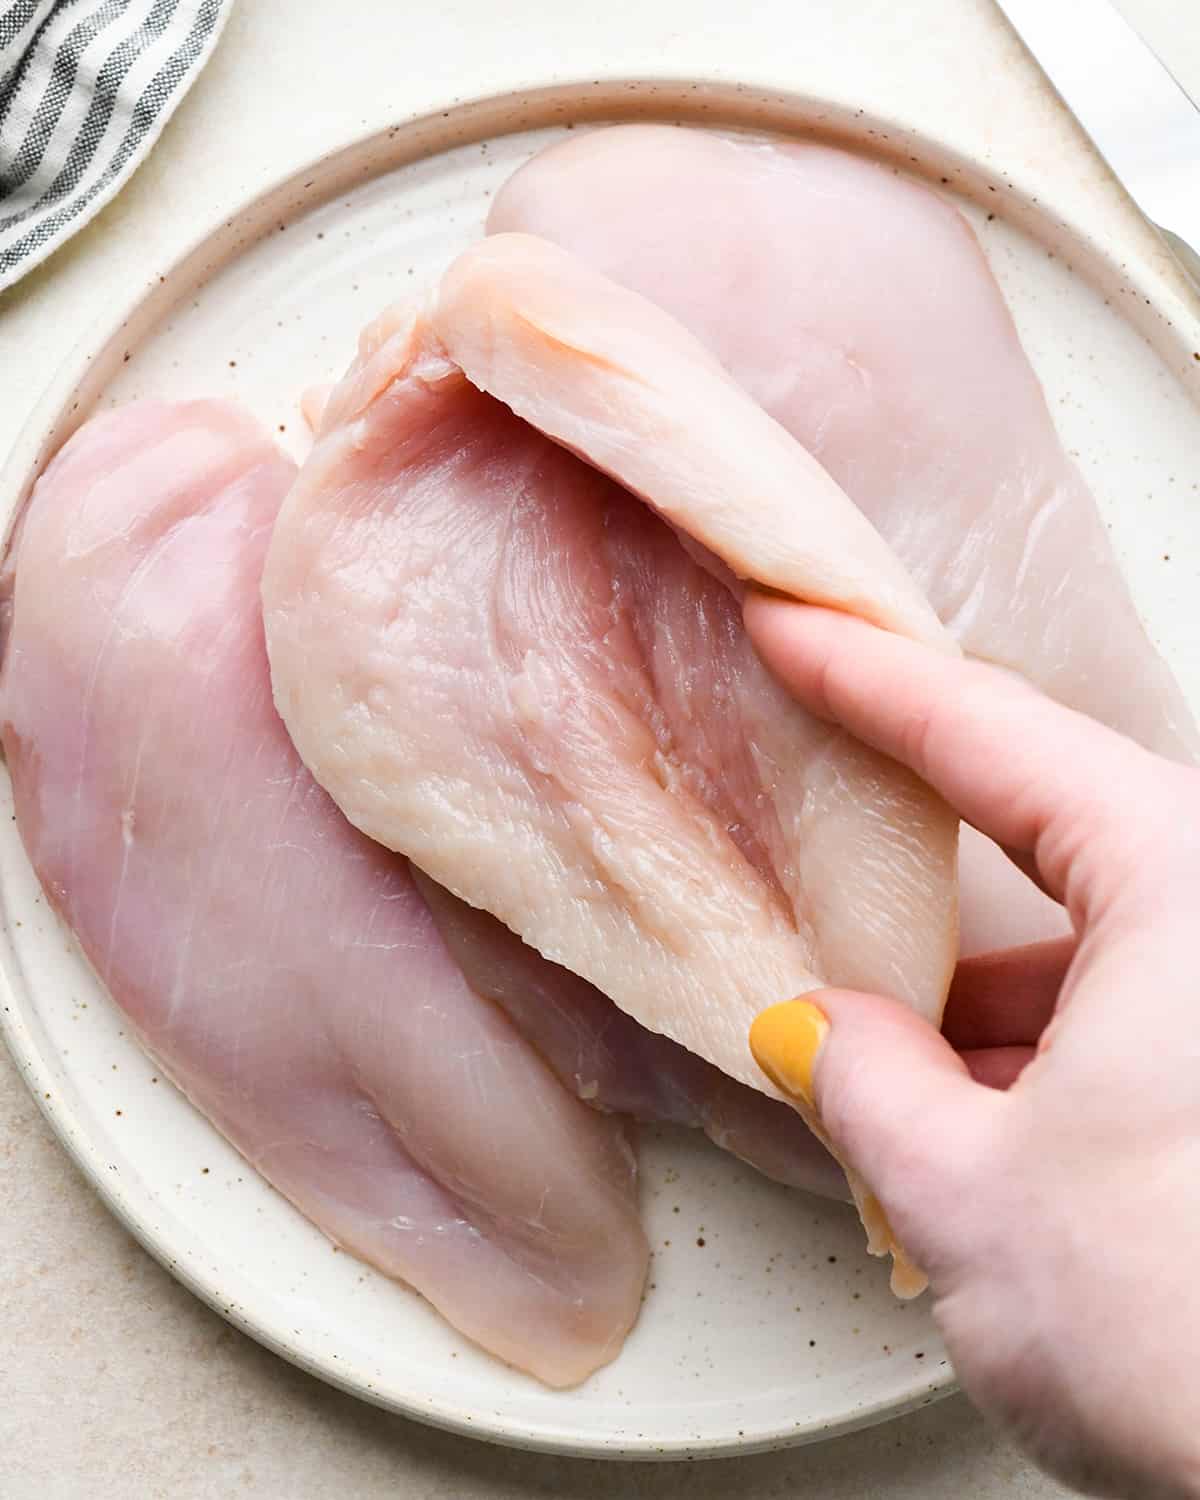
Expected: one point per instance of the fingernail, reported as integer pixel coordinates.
(785, 1041)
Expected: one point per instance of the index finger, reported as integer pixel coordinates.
(1032, 775)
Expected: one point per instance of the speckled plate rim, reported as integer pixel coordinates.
(1171, 324)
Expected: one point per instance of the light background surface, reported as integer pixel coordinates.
(114, 1381)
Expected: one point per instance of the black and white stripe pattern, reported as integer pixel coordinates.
(85, 88)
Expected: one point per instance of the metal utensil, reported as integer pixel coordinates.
(1136, 112)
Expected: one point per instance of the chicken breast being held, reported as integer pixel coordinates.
(857, 308)
(501, 663)
(284, 970)
(602, 1054)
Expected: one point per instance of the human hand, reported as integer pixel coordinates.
(1057, 1220)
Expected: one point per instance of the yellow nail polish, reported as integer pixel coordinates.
(785, 1041)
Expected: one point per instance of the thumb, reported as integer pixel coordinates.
(894, 1101)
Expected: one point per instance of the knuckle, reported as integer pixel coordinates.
(920, 733)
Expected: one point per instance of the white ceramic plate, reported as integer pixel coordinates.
(765, 1323)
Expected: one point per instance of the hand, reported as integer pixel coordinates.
(1000, 1003)
(1059, 1220)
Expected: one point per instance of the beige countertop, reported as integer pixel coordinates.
(115, 1381)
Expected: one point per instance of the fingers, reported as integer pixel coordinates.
(897, 1103)
(1005, 999)
(1030, 774)
(998, 1067)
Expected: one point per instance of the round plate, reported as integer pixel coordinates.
(765, 1323)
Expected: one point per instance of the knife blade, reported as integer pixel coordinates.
(1138, 115)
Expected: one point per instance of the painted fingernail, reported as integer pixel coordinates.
(785, 1041)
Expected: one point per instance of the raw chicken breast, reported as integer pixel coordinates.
(284, 970)
(606, 1058)
(603, 1055)
(608, 375)
(499, 662)
(858, 309)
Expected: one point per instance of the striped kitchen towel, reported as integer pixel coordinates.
(85, 88)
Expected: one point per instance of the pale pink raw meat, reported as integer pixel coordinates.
(856, 307)
(606, 1058)
(603, 1055)
(283, 970)
(607, 374)
(500, 663)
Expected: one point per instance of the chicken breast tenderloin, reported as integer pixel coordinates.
(857, 308)
(284, 970)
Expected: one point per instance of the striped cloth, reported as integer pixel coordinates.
(85, 88)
